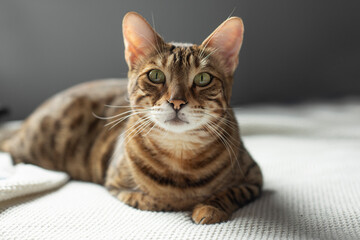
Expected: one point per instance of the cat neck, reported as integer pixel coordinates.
(179, 151)
(174, 144)
(189, 140)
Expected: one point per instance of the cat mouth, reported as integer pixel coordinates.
(176, 121)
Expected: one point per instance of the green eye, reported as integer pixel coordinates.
(156, 76)
(202, 79)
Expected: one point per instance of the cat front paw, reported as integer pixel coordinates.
(133, 199)
(207, 214)
(141, 201)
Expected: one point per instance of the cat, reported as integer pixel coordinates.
(172, 142)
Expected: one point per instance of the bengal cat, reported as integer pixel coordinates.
(171, 143)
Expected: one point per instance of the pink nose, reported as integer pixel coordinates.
(176, 103)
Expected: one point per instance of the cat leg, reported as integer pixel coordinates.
(143, 201)
(220, 207)
(120, 185)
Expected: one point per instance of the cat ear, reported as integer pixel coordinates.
(226, 40)
(140, 38)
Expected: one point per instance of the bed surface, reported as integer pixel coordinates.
(310, 158)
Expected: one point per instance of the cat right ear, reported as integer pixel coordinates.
(226, 40)
(140, 38)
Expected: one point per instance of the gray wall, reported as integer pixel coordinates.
(293, 50)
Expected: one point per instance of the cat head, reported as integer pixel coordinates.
(180, 87)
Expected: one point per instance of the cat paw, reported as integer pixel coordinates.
(132, 199)
(207, 214)
(139, 200)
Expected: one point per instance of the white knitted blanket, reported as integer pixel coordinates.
(24, 179)
(310, 157)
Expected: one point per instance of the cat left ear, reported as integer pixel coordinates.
(226, 40)
(140, 38)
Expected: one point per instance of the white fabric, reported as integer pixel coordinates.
(310, 157)
(24, 179)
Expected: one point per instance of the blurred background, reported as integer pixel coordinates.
(293, 51)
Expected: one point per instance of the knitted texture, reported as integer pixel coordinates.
(24, 179)
(310, 157)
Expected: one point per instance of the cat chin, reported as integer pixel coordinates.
(176, 126)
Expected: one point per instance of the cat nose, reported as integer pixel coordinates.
(177, 104)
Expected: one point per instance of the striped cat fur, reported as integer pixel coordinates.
(171, 143)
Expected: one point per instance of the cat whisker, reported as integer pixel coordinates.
(140, 120)
(230, 139)
(222, 140)
(229, 123)
(149, 130)
(232, 125)
(223, 131)
(124, 106)
(145, 123)
(121, 114)
(117, 121)
(127, 114)
(111, 117)
(137, 124)
(200, 113)
(228, 134)
(134, 107)
(228, 145)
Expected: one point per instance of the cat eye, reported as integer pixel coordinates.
(202, 79)
(156, 76)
